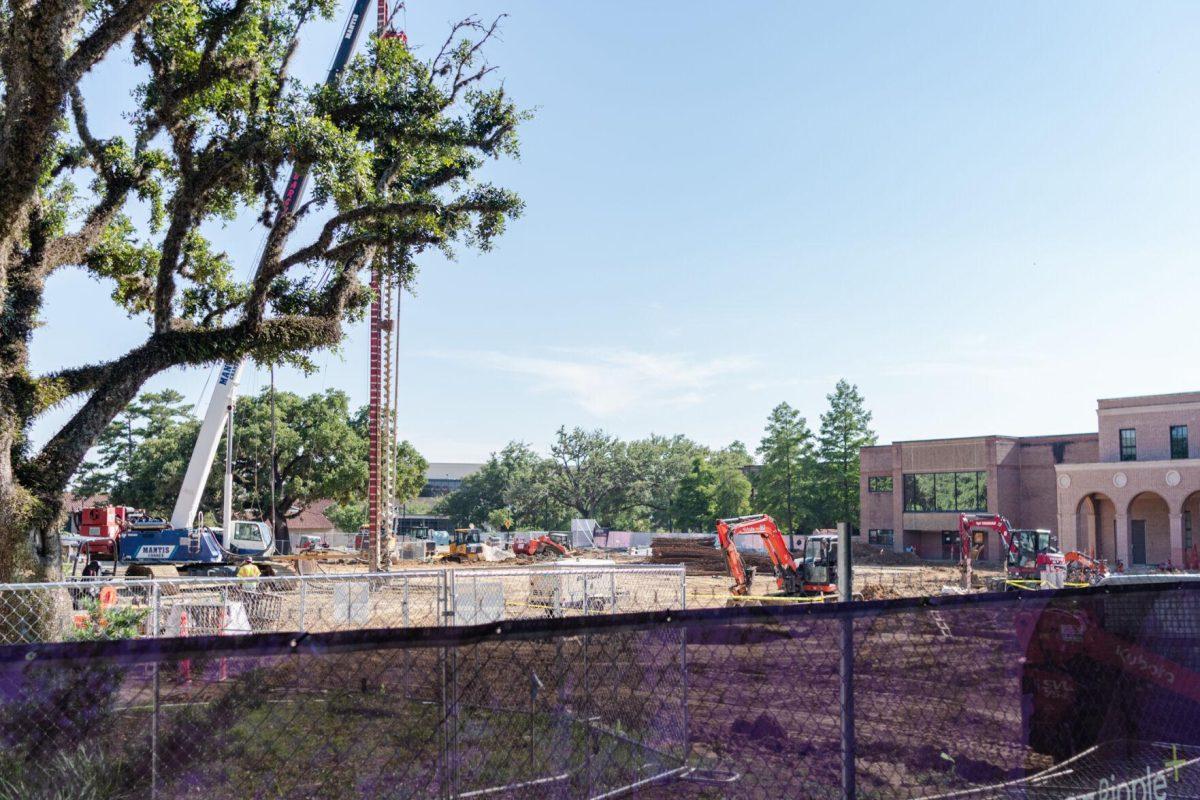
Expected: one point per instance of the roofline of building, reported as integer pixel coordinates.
(1138, 401)
(1018, 439)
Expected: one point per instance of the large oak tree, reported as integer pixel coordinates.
(214, 126)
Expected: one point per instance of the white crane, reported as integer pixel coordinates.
(219, 416)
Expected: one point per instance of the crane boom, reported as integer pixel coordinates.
(224, 395)
(187, 505)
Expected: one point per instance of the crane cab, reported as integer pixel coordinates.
(252, 538)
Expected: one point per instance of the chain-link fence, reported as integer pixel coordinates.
(124, 608)
(1083, 694)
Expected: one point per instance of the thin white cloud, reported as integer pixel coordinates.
(984, 366)
(608, 382)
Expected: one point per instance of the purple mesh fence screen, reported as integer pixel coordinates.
(1086, 694)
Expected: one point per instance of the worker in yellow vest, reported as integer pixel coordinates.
(248, 569)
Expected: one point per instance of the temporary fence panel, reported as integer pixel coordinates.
(566, 591)
(49, 612)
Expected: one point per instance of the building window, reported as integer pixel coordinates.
(945, 491)
(879, 483)
(1179, 443)
(1129, 444)
(438, 487)
(883, 536)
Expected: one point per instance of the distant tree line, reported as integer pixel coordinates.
(320, 453)
(668, 483)
(672, 483)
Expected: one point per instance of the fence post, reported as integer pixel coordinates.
(154, 622)
(588, 713)
(155, 609)
(846, 665)
(687, 716)
(586, 603)
(439, 600)
(682, 588)
(443, 760)
(303, 602)
(404, 602)
(450, 703)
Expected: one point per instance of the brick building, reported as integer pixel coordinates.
(1129, 491)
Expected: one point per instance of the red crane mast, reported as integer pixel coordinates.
(381, 419)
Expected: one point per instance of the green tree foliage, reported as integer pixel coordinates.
(411, 468)
(592, 474)
(845, 428)
(784, 486)
(158, 465)
(148, 417)
(732, 490)
(347, 517)
(513, 479)
(661, 463)
(394, 148)
(320, 454)
(695, 506)
(501, 519)
(632, 486)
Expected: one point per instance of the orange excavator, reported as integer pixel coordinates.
(816, 574)
(1083, 568)
(539, 547)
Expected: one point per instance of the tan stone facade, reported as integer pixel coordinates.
(1140, 510)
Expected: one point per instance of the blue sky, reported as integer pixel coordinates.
(982, 214)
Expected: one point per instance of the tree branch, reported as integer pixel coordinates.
(116, 383)
(122, 22)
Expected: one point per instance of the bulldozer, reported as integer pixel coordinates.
(466, 545)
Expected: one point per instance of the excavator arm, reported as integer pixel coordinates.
(733, 560)
(968, 523)
(787, 571)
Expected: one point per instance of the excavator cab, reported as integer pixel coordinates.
(1034, 549)
(820, 563)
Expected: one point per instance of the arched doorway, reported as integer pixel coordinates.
(1149, 530)
(1191, 535)
(1096, 526)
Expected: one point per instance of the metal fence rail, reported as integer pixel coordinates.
(89, 608)
(1078, 694)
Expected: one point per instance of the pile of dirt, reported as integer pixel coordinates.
(880, 591)
(875, 556)
(700, 558)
